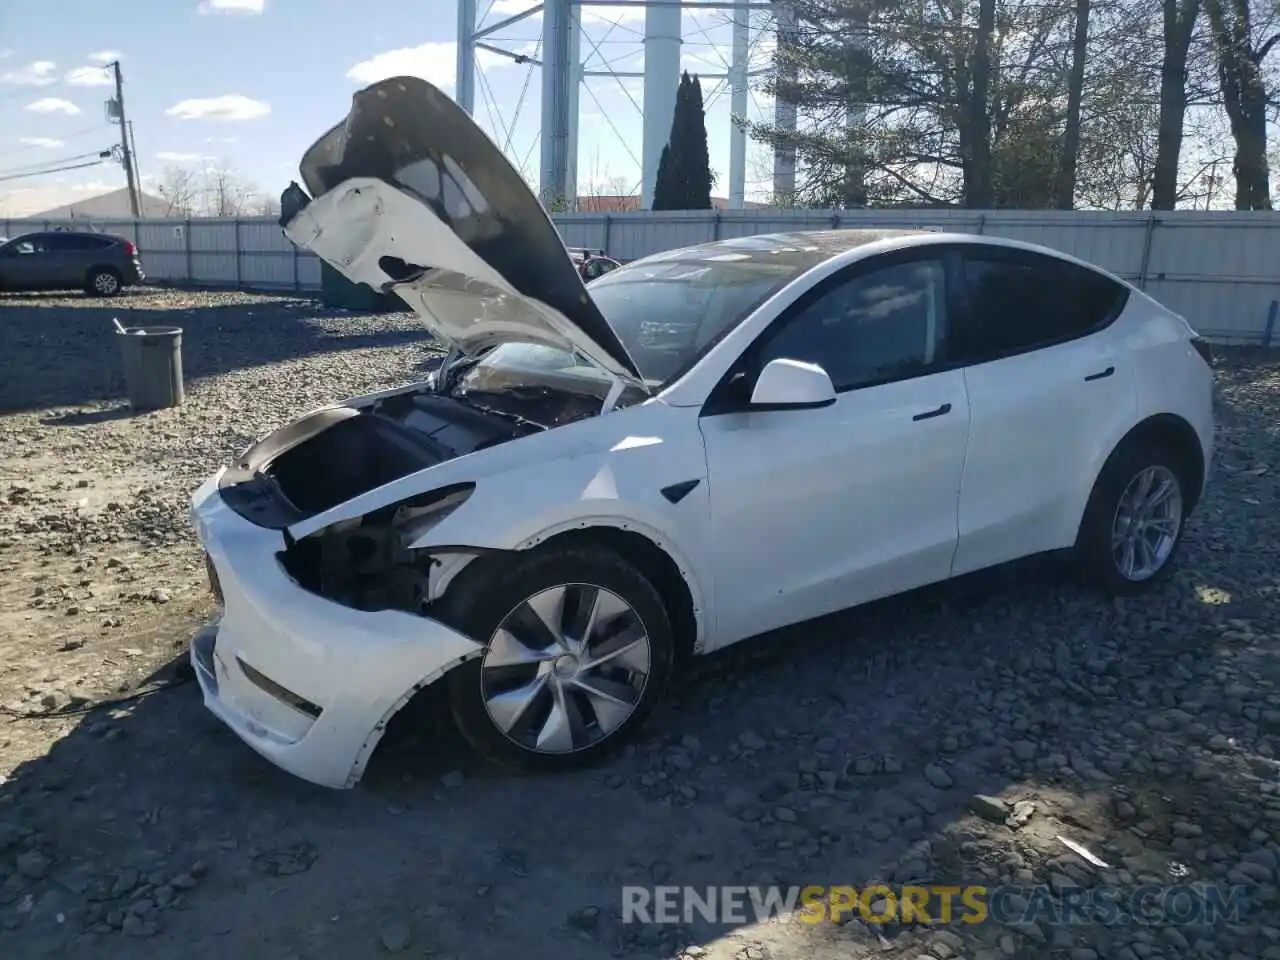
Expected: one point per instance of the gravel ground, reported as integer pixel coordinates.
(951, 737)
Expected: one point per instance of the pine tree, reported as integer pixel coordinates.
(684, 178)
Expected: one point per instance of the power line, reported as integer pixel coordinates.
(41, 173)
(35, 167)
(96, 128)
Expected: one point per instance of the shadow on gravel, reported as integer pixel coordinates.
(62, 356)
(846, 751)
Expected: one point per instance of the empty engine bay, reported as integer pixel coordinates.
(335, 454)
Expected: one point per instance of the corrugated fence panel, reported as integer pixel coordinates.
(589, 230)
(1114, 245)
(266, 256)
(309, 272)
(1219, 269)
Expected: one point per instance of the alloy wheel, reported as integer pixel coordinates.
(1146, 524)
(565, 669)
(105, 284)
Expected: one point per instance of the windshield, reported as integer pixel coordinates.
(663, 311)
(667, 310)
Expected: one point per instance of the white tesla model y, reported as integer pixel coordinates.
(702, 445)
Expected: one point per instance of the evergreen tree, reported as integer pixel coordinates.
(684, 172)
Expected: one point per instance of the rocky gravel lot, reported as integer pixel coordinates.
(969, 735)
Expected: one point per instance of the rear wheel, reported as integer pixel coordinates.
(1133, 524)
(103, 282)
(579, 649)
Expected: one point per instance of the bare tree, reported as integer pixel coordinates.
(226, 193)
(1179, 24)
(1065, 185)
(181, 190)
(1240, 58)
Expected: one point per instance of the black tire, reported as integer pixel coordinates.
(103, 282)
(1095, 560)
(486, 592)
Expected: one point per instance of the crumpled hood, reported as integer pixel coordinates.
(408, 194)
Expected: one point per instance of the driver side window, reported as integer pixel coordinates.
(885, 324)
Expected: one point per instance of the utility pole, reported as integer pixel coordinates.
(125, 150)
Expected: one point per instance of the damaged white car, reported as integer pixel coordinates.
(700, 446)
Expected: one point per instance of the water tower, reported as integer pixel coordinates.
(562, 70)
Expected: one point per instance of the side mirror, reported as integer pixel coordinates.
(792, 384)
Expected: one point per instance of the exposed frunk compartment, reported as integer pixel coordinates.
(351, 457)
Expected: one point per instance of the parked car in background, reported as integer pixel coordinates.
(100, 264)
(592, 263)
(603, 480)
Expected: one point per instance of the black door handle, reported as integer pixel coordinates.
(1101, 375)
(941, 411)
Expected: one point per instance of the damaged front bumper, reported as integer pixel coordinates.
(306, 682)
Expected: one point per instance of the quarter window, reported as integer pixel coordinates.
(883, 325)
(1016, 304)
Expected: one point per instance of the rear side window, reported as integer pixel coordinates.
(74, 243)
(1017, 303)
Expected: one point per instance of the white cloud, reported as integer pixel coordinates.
(103, 56)
(89, 77)
(250, 8)
(38, 73)
(231, 106)
(54, 105)
(170, 157)
(48, 143)
(435, 62)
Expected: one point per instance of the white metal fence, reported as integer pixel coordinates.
(1220, 270)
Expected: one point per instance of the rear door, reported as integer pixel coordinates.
(70, 257)
(1046, 380)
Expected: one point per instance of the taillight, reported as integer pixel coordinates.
(1203, 348)
(130, 248)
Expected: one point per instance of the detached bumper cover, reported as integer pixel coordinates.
(307, 683)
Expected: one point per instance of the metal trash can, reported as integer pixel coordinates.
(152, 365)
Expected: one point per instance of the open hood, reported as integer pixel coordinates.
(410, 196)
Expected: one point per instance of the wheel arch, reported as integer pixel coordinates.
(1174, 433)
(648, 552)
(643, 548)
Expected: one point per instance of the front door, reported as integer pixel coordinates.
(815, 510)
(27, 264)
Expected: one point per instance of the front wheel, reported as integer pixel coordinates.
(578, 650)
(1133, 524)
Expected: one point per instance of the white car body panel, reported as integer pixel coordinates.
(358, 667)
(1032, 415)
(802, 526)
(770, 516)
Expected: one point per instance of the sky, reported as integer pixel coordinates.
(250, 84)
